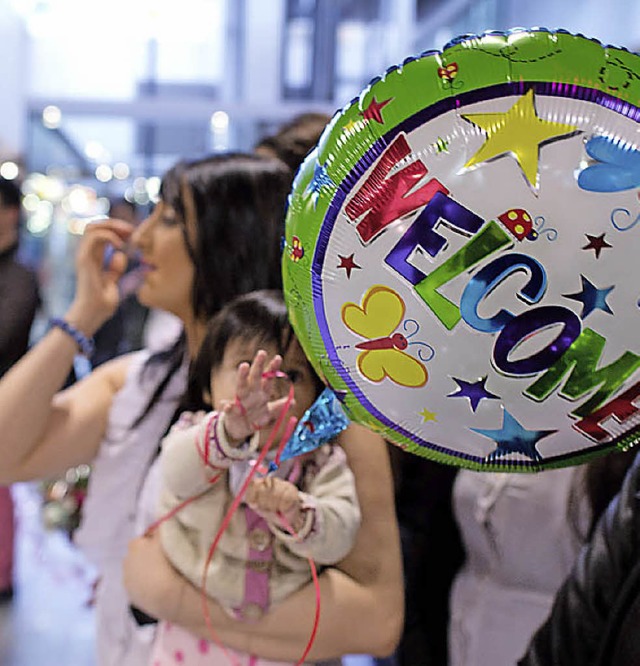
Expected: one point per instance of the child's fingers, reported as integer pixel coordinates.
(272, 495)
(250, 493)
(256, 493)
(274, 364)
(257, 368)
(275, 407)
(242, 379)
(271, 412)
(269, 375)
(284, 496)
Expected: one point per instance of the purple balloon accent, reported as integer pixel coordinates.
(513, 438)
(422, 233)
(323, 421)
(525, 325)
(591, 298)
(475, 391)
(489, 277)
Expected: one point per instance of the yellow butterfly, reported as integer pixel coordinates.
(383, 354)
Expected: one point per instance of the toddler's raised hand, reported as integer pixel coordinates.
(253, 408)
(270, 497)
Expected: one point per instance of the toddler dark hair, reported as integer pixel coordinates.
(259, 316)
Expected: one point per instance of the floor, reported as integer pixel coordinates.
(50, 619)
(49, 622)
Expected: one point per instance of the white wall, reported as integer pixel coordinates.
(615, 22)
(14, 69)
(262, 51)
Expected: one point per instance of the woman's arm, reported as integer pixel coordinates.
(362, 601)
(43, 431)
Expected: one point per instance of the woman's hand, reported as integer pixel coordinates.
(155, 587)
(97, 295)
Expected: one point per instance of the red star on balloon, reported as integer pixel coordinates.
(596, 243)
(348, 264)
(374, 110)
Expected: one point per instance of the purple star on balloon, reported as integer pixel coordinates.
(475, 391)
(320, 178)
(513, 438)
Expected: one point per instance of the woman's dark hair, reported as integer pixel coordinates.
(600, 480)
(260, 316)
(293, 140)
(231, 207)
(239, 203)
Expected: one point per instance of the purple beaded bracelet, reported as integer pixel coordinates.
(85, 345)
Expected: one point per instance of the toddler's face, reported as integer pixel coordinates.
(294, 364)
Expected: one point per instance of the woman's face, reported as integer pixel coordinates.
(168, 272)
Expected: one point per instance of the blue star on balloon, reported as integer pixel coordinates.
(591, 298)
(320, 179)
(475, 391)
(513, 438)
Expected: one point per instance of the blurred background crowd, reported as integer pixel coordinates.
(99, 99)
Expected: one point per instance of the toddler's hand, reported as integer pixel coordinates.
(270, 496)
(253, 408)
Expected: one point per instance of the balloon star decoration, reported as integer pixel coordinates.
(518, 132)
(461, 252)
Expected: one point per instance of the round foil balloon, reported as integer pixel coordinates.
(462, 252)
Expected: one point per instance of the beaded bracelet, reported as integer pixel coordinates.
(85, 345)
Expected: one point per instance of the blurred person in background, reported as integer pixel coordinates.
(19, 302)
(521, 535)
(292, 142)
(596, 612)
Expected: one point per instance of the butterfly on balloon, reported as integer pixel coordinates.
(383, 353)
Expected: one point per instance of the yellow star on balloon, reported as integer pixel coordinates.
(518, 132)
(427, 415)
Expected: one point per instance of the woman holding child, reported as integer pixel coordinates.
(214, 234)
